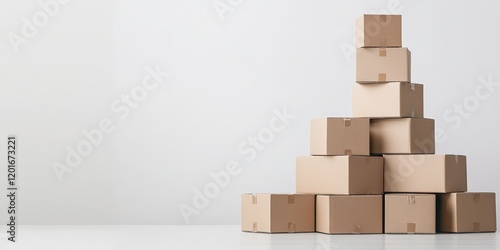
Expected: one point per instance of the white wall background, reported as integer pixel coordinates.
(226, 77)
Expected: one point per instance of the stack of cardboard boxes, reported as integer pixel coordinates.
(376, 172)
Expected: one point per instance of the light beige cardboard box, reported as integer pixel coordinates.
(340, 136)
(393, 99)
(410, 213)
(349, 214)
(383, 65)
(425, 173)
(339, 175)
(277, 213)
(402, 136)
(378, 31)
(466, 212)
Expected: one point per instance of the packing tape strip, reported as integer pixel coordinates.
(477, 227)
(347, 122)
(456, 159)
(291, 199)
(357, 229)
(291, 227)
(382, 77)
(382, 52)
(411, 228)
(412, 86)
(382, 43)
(476, 198)
(347, 152)
(254, 199)
(254, 227)
(411, 199)
(382, 18)
(412, 113)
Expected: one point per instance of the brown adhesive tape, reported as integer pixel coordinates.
(411, 228)
(291, 199)
(254, 227)
(382, 77)
(291, 227)
(382, 18)
(347, 152)
(382, 42)
(347, 122)
(477, 227)
(382, 52)
(476, 198)
(254, 199)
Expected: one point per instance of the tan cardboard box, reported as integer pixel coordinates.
(402, 136)
(378, 31)
(339, 175)
(466, 212)
(340, 136)
(425, 173)
(410, 213)
(393, 99)
(277, 213)
(349, 214)
(383, 65)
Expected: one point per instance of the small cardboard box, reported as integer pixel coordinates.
(393, 99)
(402, 136)
(466, 212)
(340, 136)
(378, 31)
(425, 173)
(277, 213)
(339, 175)
(410, 213)
(383, 65)
(349, 214)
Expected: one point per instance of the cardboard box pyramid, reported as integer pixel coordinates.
(375, 172)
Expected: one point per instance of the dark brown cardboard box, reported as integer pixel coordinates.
(383, 65)
(378, 31)
(466, 212)
(410, 213)
(277, 213)
(393, 99)
(340, 136)
(339, 175)
(425, 173)
(349, 214)
(402, 136)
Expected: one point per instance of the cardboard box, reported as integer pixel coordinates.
(339, 175)
(383, 65)
(425, 173)
(340, 136)
(410, 213)
(402, 136)
(277, 213)
(349, 214)
(378, 31)
(393, 99)
(466, 212)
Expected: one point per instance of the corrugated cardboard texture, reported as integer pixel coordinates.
(402, 136)
(378, 31)
(340, 136)
(339, 175)
(383, 65)
(410, 213)
(466, 212)
(277, 213)
(425, 173)
(351, 214)
(394, 99)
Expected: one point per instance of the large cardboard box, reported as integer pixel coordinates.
(393, 99)
(402, 136)
(349, 214)
(466, 212)
(277, 213)
(410, 213)
(378, 31)
(340, 136)
(383, 65)
(339, 175)
(425, 173)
